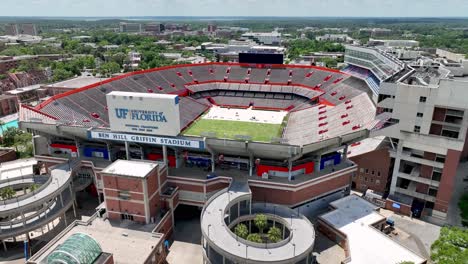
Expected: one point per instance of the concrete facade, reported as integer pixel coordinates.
(427, 133)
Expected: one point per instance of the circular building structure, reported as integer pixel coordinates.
(232, 206)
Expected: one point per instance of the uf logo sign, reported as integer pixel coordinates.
(121, 113)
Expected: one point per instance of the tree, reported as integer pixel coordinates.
(241, 231)
(451, 247)
(109, 68)
(261, 222)
(406, 262)
(7, 193)
(274, 234)
(255, 238)
(33, 187)
(9, 136)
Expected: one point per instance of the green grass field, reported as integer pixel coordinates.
(229, 129)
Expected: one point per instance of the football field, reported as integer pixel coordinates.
(229, 129)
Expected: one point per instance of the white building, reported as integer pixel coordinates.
(427, 128)
(335, 38)
(263, 38)
(401, 43)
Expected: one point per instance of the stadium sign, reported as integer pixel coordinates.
(141, 115)
(156, 114)
(174, 142)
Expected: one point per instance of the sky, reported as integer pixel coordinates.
(301, 8)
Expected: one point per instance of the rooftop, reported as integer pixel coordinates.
(132, 168)
(77, 82)
(128, 244)
(17, 168)
(24, 89)
(365, 146)
(354, 217)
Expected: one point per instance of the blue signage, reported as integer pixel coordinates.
(175, 142)
(141, 115)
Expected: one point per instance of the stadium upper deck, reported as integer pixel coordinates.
(323, 103)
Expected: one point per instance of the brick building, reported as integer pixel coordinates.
(132, 190)
(373, 161)
(8, 105)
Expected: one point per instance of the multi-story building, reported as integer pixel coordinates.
(130, 27)
(26, 29)
(132, 190)
(212, 28)
(404, 43)
(8, 105)
(263, 38)
(427, 132)
(373, 160)
(373, 65)
(154, 28)
(12, 29)
(335, 38)
(29, 29)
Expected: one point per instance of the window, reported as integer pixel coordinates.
(417, 129)
(124, 195)
(361, 170)
(440, 158)
(361, 178)
(419, 114)
(365, 179)
(367, 171)
(372, 180)
(372, 172)
(377, 182)
(432, 192)
(378, 173)
(422, 99)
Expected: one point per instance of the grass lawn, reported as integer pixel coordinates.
(229, 129)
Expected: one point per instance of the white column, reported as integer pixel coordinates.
(146, 200)
(61, 199)
(289, 169)
(317, 164)
(213, 162)
(109, 153)
(345, 153)
(396, 167)
(164, 148)
(127, 151)
(77, 144)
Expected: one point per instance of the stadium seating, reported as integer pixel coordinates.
(344, 105)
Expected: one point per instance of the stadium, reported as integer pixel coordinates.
(276, 134)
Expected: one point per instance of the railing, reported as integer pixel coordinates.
(255, 244)
(25, 196)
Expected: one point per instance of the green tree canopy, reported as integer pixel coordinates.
(261, 222)
(451, 247)
(7, 193)
(241, 230)
(274, 234)
(255, 238)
